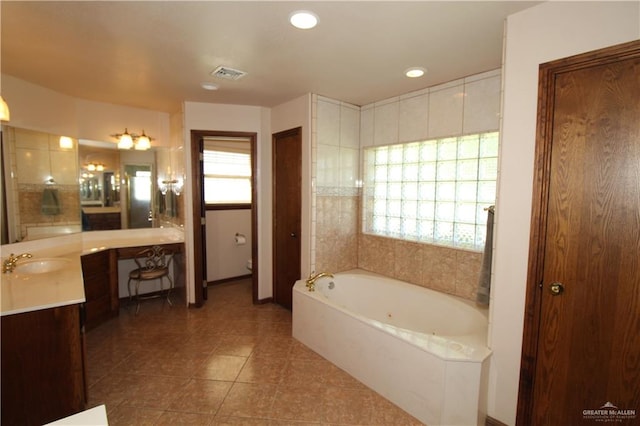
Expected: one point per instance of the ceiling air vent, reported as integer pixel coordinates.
(228, 73)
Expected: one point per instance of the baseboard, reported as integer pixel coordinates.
(490, 421)
(265, 300)
(227, 280)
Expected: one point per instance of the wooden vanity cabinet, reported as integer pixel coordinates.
(104, 221)
(101, 295)
(43, 365)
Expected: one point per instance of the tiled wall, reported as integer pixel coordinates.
(337, 170)
(464, 106)
(444, 269)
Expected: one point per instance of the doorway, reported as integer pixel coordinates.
(199, 209)
(139, 213)
(287, 206)
(581, 344)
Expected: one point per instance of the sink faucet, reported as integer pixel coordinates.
(9, 263)
(311, 281)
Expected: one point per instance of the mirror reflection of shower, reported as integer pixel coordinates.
(139, 182)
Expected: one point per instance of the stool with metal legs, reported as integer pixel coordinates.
(153, 264)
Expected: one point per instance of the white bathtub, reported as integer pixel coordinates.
(423, 350)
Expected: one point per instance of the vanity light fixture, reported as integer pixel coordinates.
(95, 167)
(415, 72)
(128, 140)
(143, 142)
(66, 142)
(303, 19)
(4, 110)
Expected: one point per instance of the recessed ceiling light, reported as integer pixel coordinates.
(303, 19)
(209, 86)
(415, 72)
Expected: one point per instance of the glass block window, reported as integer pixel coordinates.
(227, 177)
(434, 191)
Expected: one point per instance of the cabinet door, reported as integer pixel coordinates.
(42, 366)
(96, 273)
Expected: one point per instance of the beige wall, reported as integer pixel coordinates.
(543, 33)
(38, 108)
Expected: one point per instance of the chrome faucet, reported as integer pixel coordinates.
(311, 281)
(9, 263)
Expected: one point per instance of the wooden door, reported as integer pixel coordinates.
(198, 217)
(287, 175)
(581, 353)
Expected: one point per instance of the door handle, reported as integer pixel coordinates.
(556, 288)
(293, 235)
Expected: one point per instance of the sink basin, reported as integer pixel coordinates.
(40, 265)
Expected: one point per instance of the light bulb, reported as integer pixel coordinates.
(125, 141)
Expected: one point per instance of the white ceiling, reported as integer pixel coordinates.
(156, 54)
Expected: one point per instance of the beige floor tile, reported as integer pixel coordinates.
(274, 347)
(240, 421)
(237, 345)
(201, 396)
(154, 391)
(170, 418)
(298, 403)
(221, 367)
(133, 416)
(228, 363)
(347, 406)
(266, 370)
(249, 400)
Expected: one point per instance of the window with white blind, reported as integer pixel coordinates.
(434, 191)
(227, 177)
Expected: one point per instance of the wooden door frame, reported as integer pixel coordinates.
(537, 241)
(198, 207)
(292, 131)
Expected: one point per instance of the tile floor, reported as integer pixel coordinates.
(228, 363)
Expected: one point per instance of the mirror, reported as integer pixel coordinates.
(49, 190)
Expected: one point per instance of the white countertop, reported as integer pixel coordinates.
(31, 292)
(96, 416)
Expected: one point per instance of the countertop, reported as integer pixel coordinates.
(93, 416)
(30, 292)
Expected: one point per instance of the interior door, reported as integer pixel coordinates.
(581, 354)
(287, 175)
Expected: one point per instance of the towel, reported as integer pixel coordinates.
(171, 203)
(50, 202)
(484, 283)
(160, 202)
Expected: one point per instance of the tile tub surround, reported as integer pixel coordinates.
(336, 232)
(230, 362)
(341, 248)
(449, 270)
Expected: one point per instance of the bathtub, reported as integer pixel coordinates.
(423, 350)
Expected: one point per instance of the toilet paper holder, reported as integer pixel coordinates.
(241, 239)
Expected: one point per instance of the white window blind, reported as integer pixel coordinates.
(227, 177)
